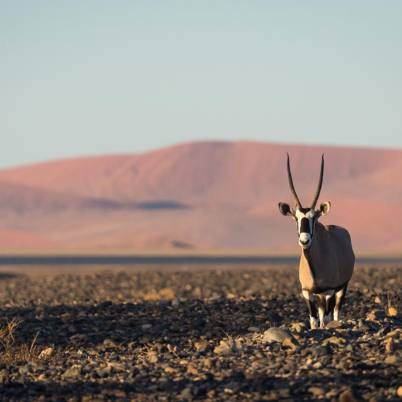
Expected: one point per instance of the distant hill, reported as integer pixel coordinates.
(199, 195)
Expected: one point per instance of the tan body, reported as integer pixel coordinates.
(328, 264)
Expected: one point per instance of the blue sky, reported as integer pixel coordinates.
(94, 77)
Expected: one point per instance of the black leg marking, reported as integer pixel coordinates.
(312, 308)
(322, 305)
(330, 306)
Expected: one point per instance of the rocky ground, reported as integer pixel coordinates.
(196, 334)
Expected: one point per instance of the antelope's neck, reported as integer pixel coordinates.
(308, 266)
(308, 260)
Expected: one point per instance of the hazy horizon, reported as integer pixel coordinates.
(100, 78)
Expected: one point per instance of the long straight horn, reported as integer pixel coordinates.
(292, 187)
(317, 194)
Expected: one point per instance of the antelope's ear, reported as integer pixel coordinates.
(325, 207)
(284, 209)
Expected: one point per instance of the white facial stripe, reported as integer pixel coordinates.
(309, 214)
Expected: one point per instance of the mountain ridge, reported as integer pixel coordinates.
(216, 194)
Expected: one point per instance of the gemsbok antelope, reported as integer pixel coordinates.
(327, 259)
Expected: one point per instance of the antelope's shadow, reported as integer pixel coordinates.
(176, 323)
(87, 325)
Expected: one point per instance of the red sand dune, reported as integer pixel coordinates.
(15, 239)
(202, 195)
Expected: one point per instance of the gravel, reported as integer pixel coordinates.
(195, 334)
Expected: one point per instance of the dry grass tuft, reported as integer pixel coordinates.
(12, 352)
(394, 304)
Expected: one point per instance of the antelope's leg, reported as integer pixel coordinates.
(339, 297)
(312, 308)
(322, 304)
(330, 305)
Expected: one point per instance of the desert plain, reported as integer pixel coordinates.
(188, 332)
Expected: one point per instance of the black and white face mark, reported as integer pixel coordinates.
(305, 226)
(305, 219)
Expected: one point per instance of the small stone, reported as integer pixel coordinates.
(109, 343)
(347, 396)
(284, 392)
(319, 350)
(392, 311)
(192, 370)
(273, 317)
(389, 345)
(169, 369)
(228, 346)
(399, 391)
(175, 303)
(395, 333)
(361, 325)
(238, 345)
(72, 372)
(186, 394)
(349, 348)
(290, 343)
(207, 363)
(334, 324)
(103, 372)
(297, 327)
(65, 316)
(3, 376)
(377, 300)
(375, 315)
(23, 370)
(223, 348)
(275, 335)
(253, 329)
(46, 353)
(152, 357)
(117, 367)
(119, 394)
(331, 394)
(167, 294)
(200, 346)
(391, 359)
(316, 391)
(334, 340)
(146, 327)
(308, 362)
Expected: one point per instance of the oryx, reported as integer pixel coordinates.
(327, 258)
